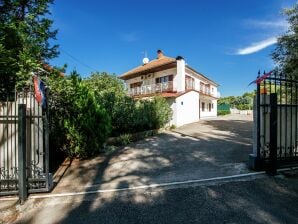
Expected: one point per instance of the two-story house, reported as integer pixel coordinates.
(190, 94)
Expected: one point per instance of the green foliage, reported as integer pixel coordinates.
(286, 50)
(244, 102)
(244, 107)
(25, 34)
(127, 115)
(79, 125)
(223, 112)
(125, 139)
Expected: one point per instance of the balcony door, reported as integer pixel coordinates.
(164, 83)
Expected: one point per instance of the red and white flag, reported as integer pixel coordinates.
(39, 90)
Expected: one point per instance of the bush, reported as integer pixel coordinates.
(125, 139)
(243, 107)
(127, 115)
(79, 126)
(223, 112)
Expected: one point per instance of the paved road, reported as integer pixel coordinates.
(265, 200)
(209, 148)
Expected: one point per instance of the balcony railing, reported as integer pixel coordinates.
(206, 91)
(189, 85)
(151, 89)
(168, 87)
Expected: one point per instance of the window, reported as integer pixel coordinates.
(203, 106)
(189, 82)
(212, 105)
(146, 82)
(164, 79)
(209, 107)
(136, 84)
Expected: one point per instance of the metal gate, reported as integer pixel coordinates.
(276, 122)
(24, 145)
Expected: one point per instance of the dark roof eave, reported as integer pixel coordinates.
(150, 70)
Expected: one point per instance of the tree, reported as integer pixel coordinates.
(25, 32)
(286, 52)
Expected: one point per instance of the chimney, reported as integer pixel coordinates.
(180, 78)
(159, 54)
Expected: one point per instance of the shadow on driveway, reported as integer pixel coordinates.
(209, 148)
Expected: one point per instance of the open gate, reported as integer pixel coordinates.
(276, 122)
(24, 145)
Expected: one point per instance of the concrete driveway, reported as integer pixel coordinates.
(209, 148)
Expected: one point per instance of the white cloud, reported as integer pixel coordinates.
(255, 47)
(280, 24)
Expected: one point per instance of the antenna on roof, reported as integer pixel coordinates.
(145, 59)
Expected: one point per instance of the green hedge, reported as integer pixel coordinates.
(223, 112)
(78, 125)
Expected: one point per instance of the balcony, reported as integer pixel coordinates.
(167, 87)
(151, 89)
(205, 90)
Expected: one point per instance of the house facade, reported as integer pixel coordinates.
(191, 95)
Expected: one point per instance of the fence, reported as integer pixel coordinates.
(24, 145)
(275, 118)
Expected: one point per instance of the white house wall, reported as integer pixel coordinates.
(206, 112)
(198, 79)
(153, 76)
(187, 108)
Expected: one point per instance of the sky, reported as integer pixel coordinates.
(227, 41)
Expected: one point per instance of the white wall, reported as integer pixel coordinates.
(153, 76)
(206, 113)
(180, 78)
(187, 108)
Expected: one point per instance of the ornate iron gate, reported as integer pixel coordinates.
(276, 119)
(33, 146)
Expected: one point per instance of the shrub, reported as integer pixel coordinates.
(162, 112)
(78, 125)
(127, 115)
(243, 106)
(125, 139)
(223, 112)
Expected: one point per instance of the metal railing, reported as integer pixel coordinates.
(30, 123)
(277, 121)
(168, 87)
(151, 89)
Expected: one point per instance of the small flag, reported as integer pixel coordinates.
(39, 90)
(260, 79)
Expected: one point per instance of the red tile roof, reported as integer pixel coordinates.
(151, 66)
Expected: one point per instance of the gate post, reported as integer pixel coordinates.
(22, 182)
(273, 135)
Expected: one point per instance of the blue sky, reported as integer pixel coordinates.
(228, 41)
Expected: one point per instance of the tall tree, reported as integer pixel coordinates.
(286, 52)
(25, 34)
